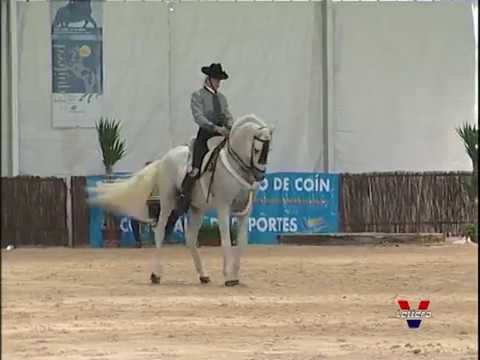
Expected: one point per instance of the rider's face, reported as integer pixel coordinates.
(215, 83)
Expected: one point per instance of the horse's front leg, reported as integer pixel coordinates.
(193, 226)
(242, 242)
(228, 252)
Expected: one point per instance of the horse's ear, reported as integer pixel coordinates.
(272, 129)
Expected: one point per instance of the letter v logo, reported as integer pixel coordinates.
(414, 316)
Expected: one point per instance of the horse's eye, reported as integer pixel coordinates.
(256, 151)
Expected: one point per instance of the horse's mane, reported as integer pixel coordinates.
(250, 118)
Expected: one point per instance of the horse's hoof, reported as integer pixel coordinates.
(204, 279)
(232, 283)
(155, 279)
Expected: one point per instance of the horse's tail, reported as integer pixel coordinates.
(128, 197)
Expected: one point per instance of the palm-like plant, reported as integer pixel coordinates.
(112, 146)
(113, 149)
(469, 135)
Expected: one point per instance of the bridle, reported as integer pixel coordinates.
(251, 168)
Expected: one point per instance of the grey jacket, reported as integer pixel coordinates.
(202, 110)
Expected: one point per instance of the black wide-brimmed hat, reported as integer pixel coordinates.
(215, 71)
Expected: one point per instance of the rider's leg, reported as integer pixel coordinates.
(199, 151)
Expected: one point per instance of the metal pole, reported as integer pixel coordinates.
(328, 90)
(69, 210)
(5, 90)
(170, 5)
(13, 67)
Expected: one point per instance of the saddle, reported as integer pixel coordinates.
(213, 145)
(210, 159)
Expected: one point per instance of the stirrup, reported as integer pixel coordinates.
(183, 204)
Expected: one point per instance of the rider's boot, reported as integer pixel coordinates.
(183, 201)
(172, 219)
(186, 194)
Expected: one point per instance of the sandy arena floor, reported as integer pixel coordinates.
(301, 303)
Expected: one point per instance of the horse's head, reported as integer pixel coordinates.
(249, 144)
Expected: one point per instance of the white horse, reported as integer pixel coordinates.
(241, 166)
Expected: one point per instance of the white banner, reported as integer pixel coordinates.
(77, 62)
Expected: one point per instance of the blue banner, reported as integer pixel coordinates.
(97, 219)
(286, 203)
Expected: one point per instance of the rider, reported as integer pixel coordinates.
(210, 111)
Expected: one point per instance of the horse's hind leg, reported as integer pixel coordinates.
(193, 226)
(166, 207)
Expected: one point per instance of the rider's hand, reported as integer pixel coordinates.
(222, 130)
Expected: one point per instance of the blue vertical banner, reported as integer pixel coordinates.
(77, 62)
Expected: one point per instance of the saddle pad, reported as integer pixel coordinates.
(212, 143)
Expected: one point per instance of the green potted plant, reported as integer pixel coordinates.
(113, 149)
(469, 134)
